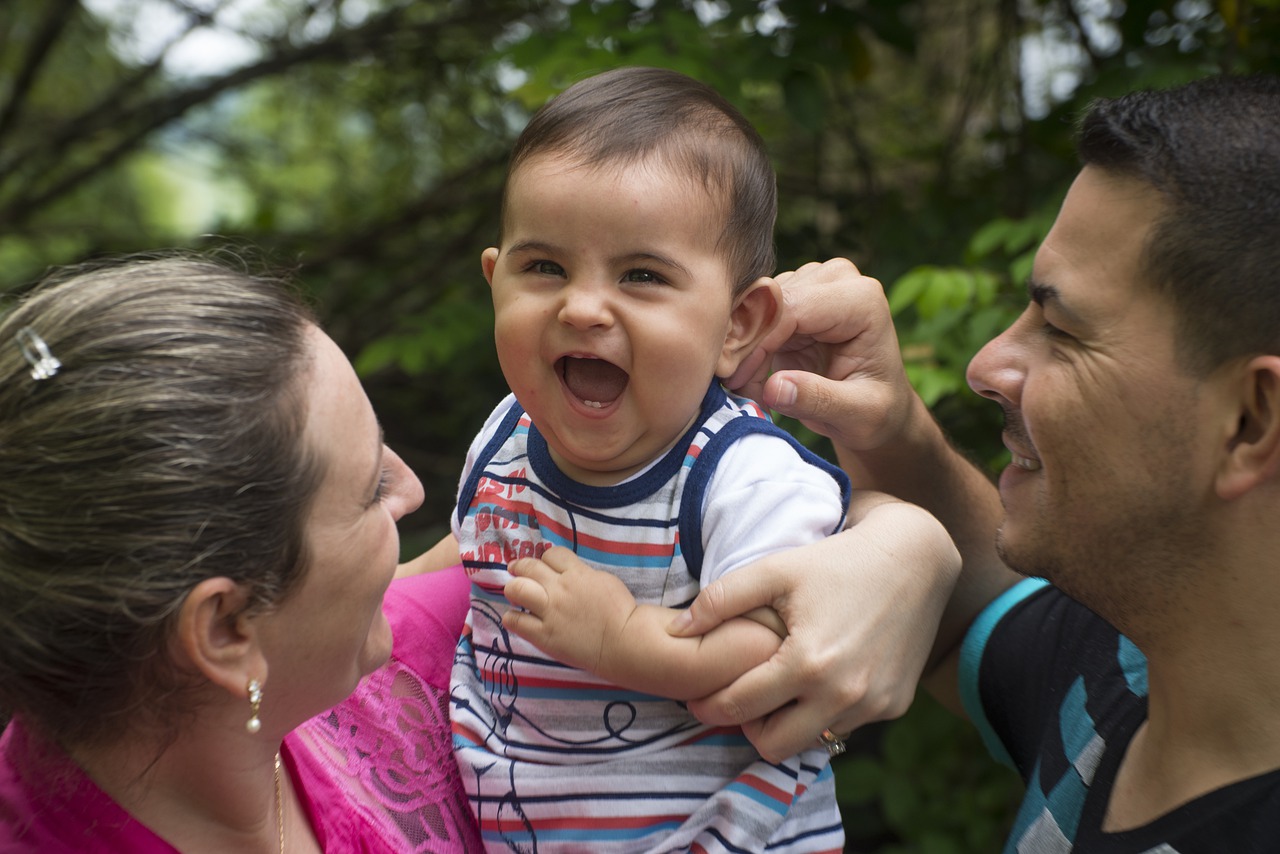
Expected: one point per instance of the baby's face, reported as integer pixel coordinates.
(612, 308)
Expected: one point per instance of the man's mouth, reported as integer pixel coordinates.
(1015, 435)
(1026, 463)
(595, 382)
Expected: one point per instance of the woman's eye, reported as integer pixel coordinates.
(383, 488)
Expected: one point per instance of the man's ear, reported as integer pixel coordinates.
(755, 313)
(1252, 453)
(218, 639)
(489, 260)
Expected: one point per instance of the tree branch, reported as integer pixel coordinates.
(136, 123)
(57, 15)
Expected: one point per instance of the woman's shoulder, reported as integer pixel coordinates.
(48, 804)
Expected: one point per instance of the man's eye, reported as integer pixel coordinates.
(1053, 331)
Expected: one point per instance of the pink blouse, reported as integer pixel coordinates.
(375, 774)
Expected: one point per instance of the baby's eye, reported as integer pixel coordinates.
(643, 277)
(546, 268)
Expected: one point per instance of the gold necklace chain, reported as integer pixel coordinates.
(279, 804)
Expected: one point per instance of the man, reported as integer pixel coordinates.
(1139, 695)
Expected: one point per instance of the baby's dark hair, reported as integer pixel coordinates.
(625, 116)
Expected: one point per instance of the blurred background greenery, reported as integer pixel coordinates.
(360, 144)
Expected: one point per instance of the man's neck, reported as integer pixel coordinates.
(1213, 719)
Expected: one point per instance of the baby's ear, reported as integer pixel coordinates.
(488, 261)
(754, 315)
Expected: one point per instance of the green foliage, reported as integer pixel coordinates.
(363, 146)
(927, 785)
(944, 315)
(428, 343)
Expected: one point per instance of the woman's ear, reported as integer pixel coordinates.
(754, 314)
(218, 639)
(1252, 452)
(488, 261)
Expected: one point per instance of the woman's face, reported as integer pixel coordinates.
(331, 631)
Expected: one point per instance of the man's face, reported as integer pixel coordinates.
(1110, 437)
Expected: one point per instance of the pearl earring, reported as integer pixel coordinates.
(255, 701)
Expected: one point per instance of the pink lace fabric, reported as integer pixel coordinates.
(379, 768)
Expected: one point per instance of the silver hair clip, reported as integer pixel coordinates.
(36, 352)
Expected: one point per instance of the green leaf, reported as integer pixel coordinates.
(989, 237)
(909, 287)
(1020, 267)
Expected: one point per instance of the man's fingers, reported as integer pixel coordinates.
(756, 693)
(728, 597)
(815, 399)
(749, 378)
(763, 702)
(790, 730)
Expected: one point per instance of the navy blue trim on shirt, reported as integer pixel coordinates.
(500, 435)
(700, 474)
(628, 492)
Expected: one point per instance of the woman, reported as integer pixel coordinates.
(197, 530)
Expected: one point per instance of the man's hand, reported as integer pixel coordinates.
(832, 362)
(861, 609)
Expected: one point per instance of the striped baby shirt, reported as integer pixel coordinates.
(555, 759)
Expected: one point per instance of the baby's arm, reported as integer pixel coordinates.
(443, 554)
(588, 619)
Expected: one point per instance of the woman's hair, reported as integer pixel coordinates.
(167, 449)
(625, 116)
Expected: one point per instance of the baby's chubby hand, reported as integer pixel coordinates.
(568, 610)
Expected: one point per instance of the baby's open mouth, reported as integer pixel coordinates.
(595, 382)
